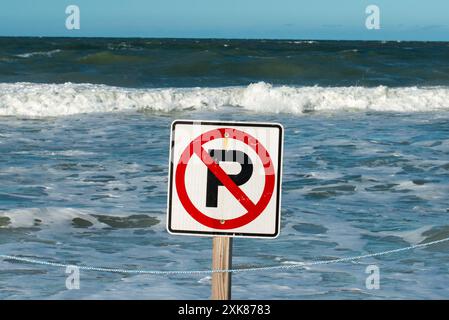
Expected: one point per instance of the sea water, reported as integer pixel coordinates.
(84, 143)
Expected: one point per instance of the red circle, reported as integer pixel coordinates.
(249, 215)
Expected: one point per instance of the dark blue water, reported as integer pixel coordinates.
(189, 63)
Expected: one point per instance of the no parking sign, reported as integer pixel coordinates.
(225, 178)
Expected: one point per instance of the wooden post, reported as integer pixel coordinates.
(221, 260)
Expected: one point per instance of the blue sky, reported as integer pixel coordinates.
(279, 19)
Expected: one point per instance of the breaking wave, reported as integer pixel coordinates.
(43, 100)
(39, 53)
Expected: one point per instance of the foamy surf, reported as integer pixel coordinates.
(38, 53)
(64, 219)
(43, 100)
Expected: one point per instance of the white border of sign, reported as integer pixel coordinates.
(276, 193)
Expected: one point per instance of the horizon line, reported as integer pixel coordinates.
(218, 38)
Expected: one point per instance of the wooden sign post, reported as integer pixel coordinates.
(221, 260)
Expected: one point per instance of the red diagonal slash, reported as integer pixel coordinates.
(224, 179)
(254, 210)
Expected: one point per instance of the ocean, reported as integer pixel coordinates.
(84, 145)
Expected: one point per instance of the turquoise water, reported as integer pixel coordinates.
(83, 179)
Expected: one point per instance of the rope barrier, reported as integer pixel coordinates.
(239, 270)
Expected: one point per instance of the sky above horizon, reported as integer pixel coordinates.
(281, 19)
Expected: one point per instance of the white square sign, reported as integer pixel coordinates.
(225, 178)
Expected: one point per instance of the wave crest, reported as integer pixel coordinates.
(39, 53)
(43, 100)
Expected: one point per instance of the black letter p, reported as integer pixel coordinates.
(242, 177)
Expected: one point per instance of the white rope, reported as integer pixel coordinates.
(240, 270)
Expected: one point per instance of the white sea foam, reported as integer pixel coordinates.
(41, 100)
(38, 53)
(62, 219)
(64, 153)
(27, 217)
(302, 42)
